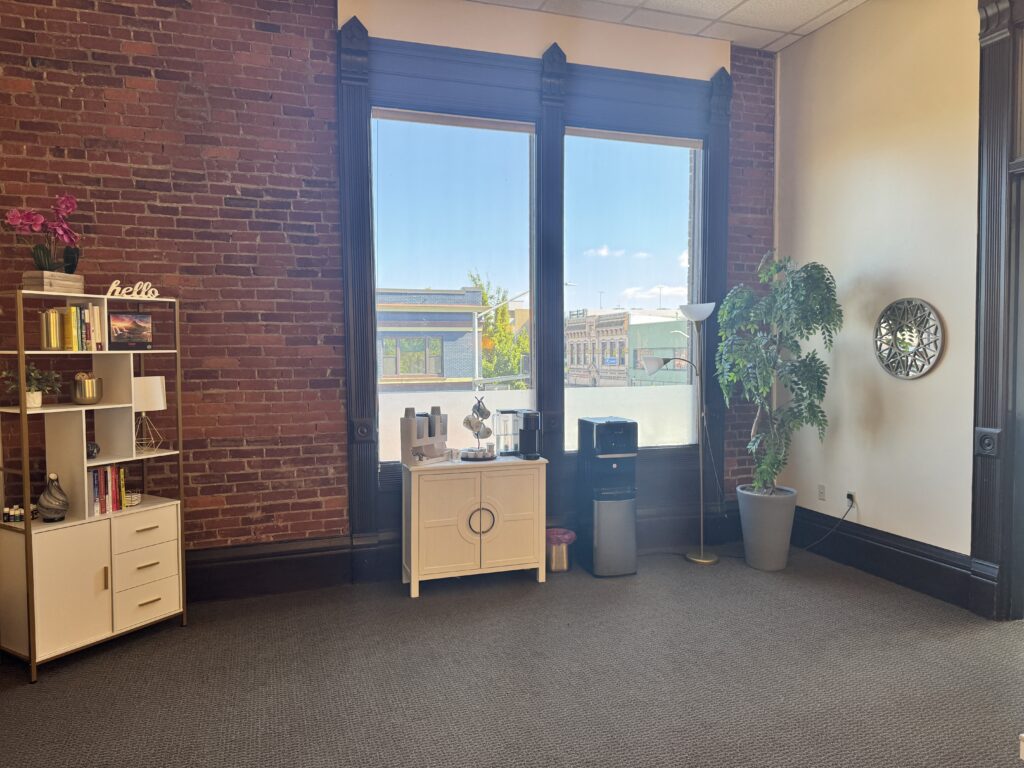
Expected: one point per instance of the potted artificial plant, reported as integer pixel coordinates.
(37, 384)
(761, 359)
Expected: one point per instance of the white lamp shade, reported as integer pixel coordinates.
(697, 312)
(149, 393)
(653, 364)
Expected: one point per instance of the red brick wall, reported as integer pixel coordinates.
(200, 137)
(751, 212)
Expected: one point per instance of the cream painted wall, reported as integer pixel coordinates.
(500, 29)
(877, 159)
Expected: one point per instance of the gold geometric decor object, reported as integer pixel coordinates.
(908, 338)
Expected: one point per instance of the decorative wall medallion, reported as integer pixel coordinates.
(908, 338)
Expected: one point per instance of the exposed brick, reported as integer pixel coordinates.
(751, 215)
(171, 120)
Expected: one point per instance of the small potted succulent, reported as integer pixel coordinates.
(58, 251)
(38, 383)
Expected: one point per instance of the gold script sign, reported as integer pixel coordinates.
(138, 291)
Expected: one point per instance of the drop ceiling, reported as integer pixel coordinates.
(767, 24)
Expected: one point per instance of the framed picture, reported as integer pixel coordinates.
(130, 330)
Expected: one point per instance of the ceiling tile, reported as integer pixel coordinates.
(588, 9)
(750, 37)
(830, 15)
(784, 15)
(782, 42)
(669, 22)
(530, 4)
(704, 9)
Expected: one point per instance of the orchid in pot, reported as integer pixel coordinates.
(37, 383)
(48, 255)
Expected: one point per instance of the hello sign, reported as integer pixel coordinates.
(138, 291)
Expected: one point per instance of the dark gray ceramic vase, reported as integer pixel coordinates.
(53, 503)
(767, 522)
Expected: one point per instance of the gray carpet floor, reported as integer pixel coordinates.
(820, 665)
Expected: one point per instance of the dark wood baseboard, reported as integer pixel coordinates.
(934, 571)
(263, 569)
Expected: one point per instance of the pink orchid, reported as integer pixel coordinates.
(25, 222)
(66, 205)
(63, 232)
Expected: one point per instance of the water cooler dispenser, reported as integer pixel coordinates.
(606, 494)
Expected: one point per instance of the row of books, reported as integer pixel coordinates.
(108, 494)
(75, 328)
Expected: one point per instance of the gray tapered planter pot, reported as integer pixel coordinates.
(767, 522)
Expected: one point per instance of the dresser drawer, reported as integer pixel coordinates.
(141, 566)
(146, 603)
(144, 529)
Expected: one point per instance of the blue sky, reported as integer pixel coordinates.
(449, 199)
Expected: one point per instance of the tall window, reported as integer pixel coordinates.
(453, 246)
(629, 232)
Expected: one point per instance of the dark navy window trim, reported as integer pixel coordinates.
(552, 95)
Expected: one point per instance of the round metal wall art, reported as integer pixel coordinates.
(908, 338)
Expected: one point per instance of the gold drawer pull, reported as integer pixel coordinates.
(147, 565)
(147, 528)
(106, 577)
(150, 602)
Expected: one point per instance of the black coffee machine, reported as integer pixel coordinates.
(517, 433)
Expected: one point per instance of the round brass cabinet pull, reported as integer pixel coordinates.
(493, 520)
(470, 521)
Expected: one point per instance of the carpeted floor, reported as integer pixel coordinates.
(679, 666)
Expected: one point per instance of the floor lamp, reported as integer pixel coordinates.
(696, 314)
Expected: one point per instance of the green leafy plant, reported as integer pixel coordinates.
(760, 353)
(37, 380)
(503, 349)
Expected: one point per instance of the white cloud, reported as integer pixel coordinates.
(603, 252)
(655, 291)
(684, 258)
(641, 255)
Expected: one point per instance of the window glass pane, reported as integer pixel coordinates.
(629, 233)
(453, 248)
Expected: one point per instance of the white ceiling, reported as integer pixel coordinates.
(767, 24)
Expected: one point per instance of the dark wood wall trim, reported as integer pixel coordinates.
(946, 575)
(263, 569)
(997, 505)
(358, 273)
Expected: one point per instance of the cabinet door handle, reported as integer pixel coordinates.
(470, 521)
(493, 520)
(147, 565)
(106, 577)
(150, 601)
(147, 528)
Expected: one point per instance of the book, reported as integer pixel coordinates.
(69, 336)
(97, 328)
(95, 492)
(104, 504)
(121, 473)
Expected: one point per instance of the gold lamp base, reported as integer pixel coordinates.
(702, 558)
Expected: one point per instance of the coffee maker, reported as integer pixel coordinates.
(517, 433)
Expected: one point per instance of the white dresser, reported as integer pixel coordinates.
(461, 519)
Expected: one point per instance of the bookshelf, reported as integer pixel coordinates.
(94, 575)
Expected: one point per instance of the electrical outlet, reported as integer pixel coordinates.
(821, 492)
(851, 498)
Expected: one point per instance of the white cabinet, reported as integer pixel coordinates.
(460, 519)
(91, 579)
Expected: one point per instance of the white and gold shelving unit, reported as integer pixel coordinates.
(68, 585)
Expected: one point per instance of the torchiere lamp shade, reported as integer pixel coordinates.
(697, 312)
